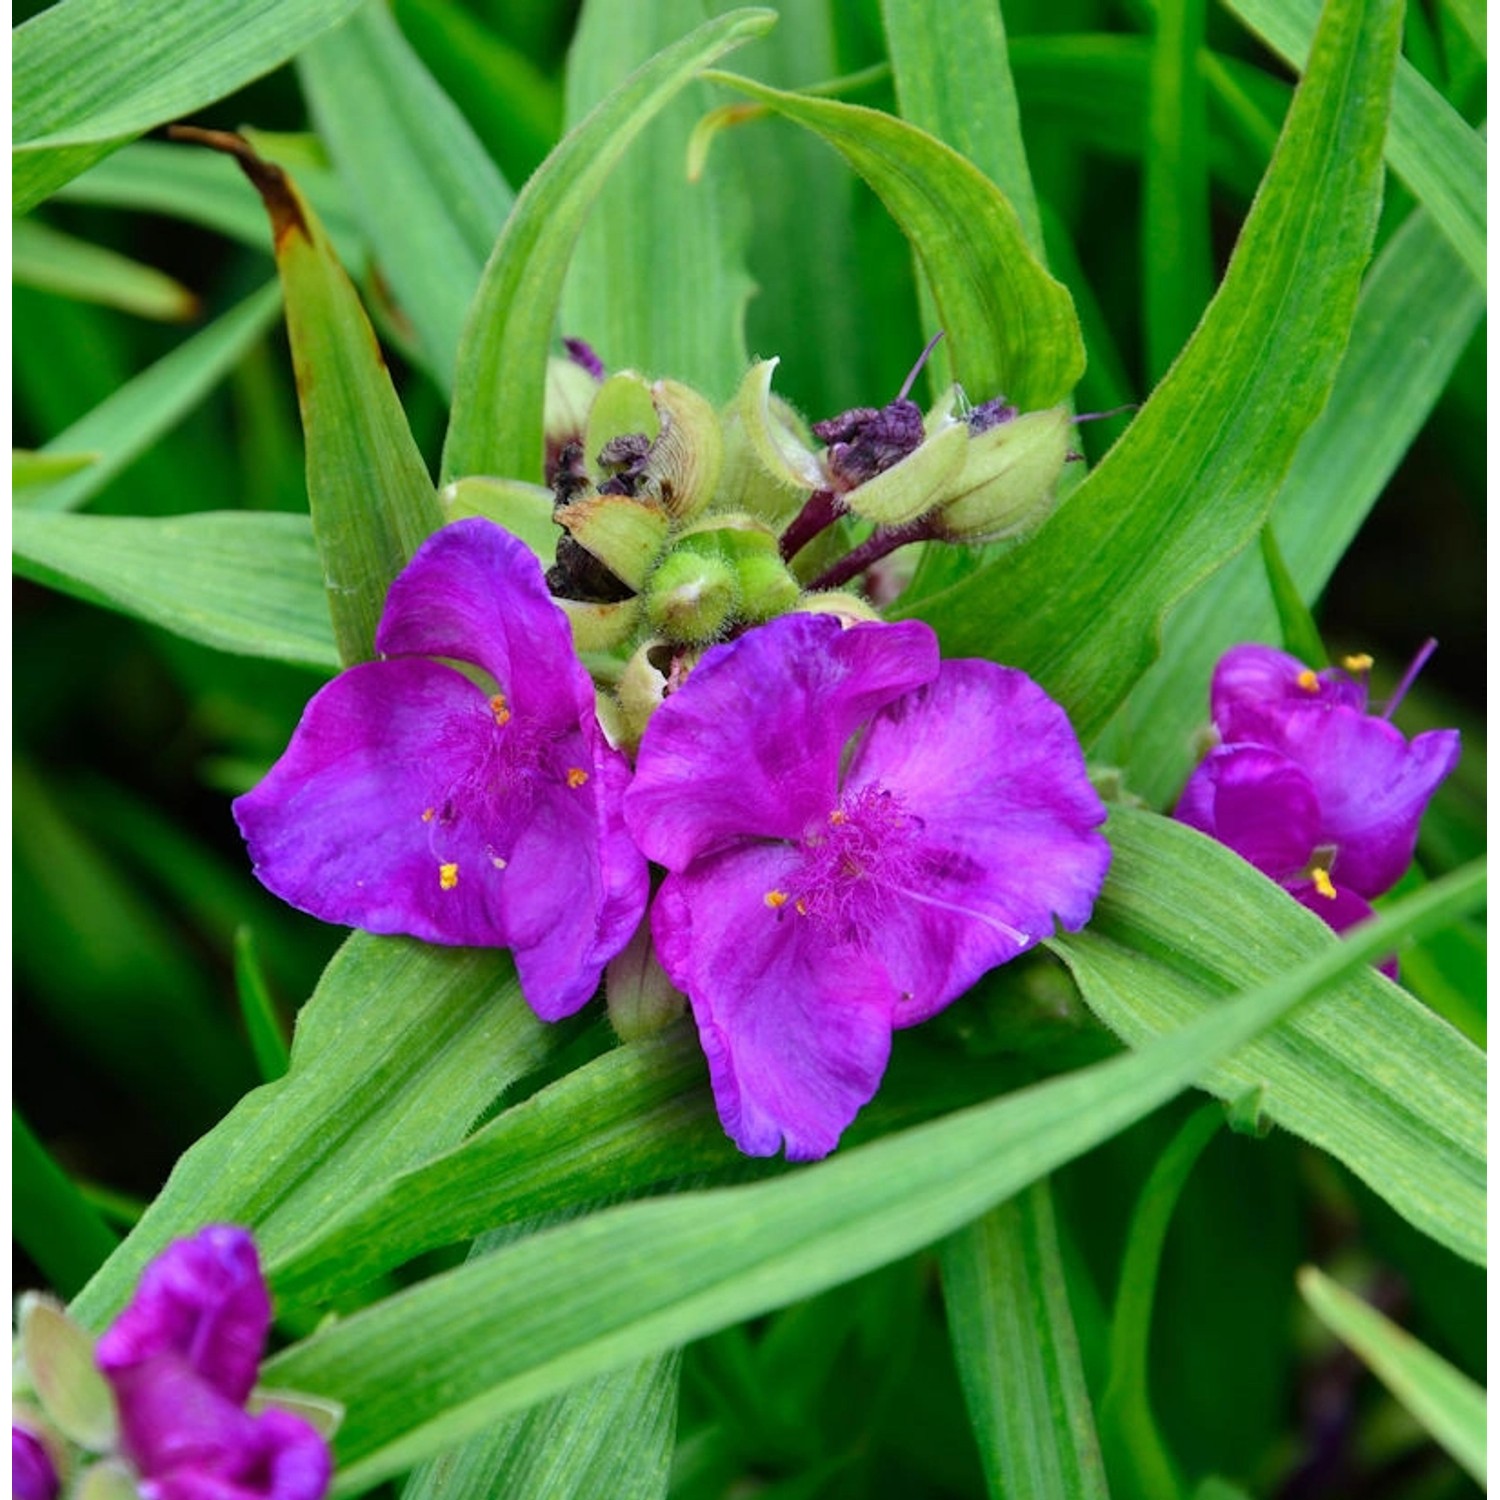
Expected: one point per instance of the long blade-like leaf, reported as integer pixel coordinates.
(46, 258)
(428, 197)
(1017, 1353)
(54, 1224)
(496, 426)
(1445, 1401)
(1373, 1077)
(397, 1052)
(1080, 608)
(87, 75)
(236, 580)
(434, 1364)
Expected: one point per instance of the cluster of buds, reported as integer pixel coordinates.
(683, 525)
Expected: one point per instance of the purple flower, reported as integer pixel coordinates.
(181, 1360)
(855, 832)
(413, 800)
(1311, 789)
(32, 1476)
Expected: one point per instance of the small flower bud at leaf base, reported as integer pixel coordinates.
(640, 997)
(693, 595)
(524, 510)
(781, 450)
(639, 693)
(627, 535)
(911, 488)
(767, 587)
(59, 1359)
(622, 407)
(746, 484)
(683, 468)
(849, 608)
(1008, 484)
(570, 394)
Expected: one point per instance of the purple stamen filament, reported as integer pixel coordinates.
(1418, 662)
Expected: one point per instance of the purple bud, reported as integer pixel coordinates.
(202, 1299)
(584, 357)
(32, 1476)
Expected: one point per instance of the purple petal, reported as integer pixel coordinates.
(403, 806)
(751, 744)
(202, 1299)
(797, 1033)
(474, 593)
(1341, 911)
(1372, 788)
(1260, 675)
(990, 773)
(32, 1476)
(281, 1457)
(1258, 803)
(171, 1418)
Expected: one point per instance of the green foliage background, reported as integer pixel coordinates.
(1042, 1264)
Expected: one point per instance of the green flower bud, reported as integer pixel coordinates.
(109, 1480)
(776, 444)
(1008, 484)
(911, 488)
(683, 467)
(524, 510)
(622, 408)
(848, 607)
(693, 595)
(626, 535)
(570, 394)
(59, 1359)
(600, 627)
(321, 1413)
(766, 585)
(642, 686)
(640, 998)
(745, 483)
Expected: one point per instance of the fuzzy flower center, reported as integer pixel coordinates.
(852, 865)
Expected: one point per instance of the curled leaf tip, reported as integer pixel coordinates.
(268, 179)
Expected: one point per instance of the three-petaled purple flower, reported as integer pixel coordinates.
(181, 1360)
(1311, 789)
(855, 832)
(415, 800)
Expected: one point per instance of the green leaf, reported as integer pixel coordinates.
(437, 1362)
(398, 1051)
(1445, 1401)
(1416, 314)
(657, 280)
(1177, 262)
(1299, 633)
(33, 471)
(496, 426)
(1017, 1353)
(1430, 147)
(259, 1010)
(1373, 1077)
(235, 580)
(428, 197)
(953, 79)
(1080, 608)
(201, 187)
(133, 417)
(54, 1224)
(371, 498)
(1139, 1459)
(86, 75)
(1010, 325)
(51, 261)
(613, 1436)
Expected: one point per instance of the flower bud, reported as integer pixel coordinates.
(746, 484)
(625, 534)
(600, 627)
(912, 486)
(622, 408)
(850, 608)
(524, 510)
(110, 1480)
(777, 446)
(1008, 483)
(642, 686)
(682, 469)
(33, 1464)
(693, 594)
(640, 997)
(570, 393)
(59, 1360)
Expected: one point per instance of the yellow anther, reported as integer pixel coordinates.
(501, 709)
(838, 815)
(577, 776)
(1360, 663)
(427, 815)
(1307, 680)
(801, 908)
(448, 876)
(776, 899)
(1323, 885)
